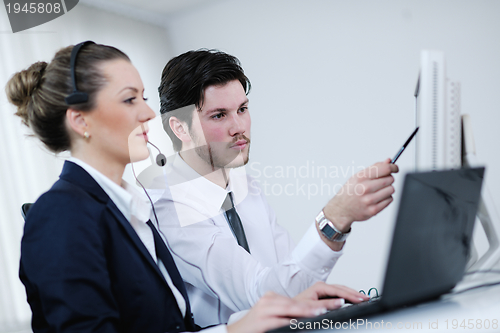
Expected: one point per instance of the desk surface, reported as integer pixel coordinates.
(476, 310)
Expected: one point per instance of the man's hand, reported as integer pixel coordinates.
(364, 195)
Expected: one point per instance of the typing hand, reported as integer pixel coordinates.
(273, 311)
(331, 296)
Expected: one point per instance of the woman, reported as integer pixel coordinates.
(90, 258)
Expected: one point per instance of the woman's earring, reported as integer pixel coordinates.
(86, 135)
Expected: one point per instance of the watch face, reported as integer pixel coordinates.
(328, 231)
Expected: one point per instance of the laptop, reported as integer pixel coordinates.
(430, 245)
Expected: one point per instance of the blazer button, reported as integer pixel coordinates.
(177, 327)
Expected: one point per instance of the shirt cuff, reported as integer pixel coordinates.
(314, 255)
(215, 329)
(237, 316)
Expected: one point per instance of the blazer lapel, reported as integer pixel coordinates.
(134, 237)
(75, 174)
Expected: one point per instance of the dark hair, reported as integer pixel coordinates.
(38, 92)
(185, 78)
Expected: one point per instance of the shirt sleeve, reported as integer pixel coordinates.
(313, 256)
(310, 261)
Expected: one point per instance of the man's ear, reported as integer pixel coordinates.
(180, 129)
(76, 122)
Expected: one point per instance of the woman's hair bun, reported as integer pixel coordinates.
(22, 86)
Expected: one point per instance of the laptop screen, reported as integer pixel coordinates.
(432, 236)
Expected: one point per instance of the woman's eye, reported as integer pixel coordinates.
(145, 98)
(130, 100)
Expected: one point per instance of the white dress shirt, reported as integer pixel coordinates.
(221, 277)
(137, 210)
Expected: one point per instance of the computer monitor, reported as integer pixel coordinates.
(445, 141)
(438, 143)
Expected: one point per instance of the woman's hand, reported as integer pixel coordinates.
(273, 311)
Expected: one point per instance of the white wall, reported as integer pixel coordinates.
(26, 170)
(333, 85)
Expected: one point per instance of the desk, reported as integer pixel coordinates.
(478, 307)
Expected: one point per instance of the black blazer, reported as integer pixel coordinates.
(86, 270)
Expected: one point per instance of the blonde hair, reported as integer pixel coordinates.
(38, 92)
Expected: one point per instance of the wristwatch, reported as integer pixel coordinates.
(328, 229)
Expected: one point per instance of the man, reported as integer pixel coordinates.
(225, 240)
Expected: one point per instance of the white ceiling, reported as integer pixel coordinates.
(149, 11)
(163, 6)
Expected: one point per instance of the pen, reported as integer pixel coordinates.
(404, 146)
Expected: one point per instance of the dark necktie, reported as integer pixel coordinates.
(234, 222)
(164, 255)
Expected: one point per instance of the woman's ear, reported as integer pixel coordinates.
(77, 123)
(180, 129)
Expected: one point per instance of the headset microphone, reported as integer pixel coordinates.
(161, 160)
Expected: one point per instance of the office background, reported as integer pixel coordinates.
(332, 92)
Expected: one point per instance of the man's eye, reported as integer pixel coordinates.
(243, 109)
(218, 116)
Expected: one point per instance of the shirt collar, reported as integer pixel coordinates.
(183, 176)
(128, 200)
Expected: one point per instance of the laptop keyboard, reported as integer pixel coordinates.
(358, 305)
(354, 311)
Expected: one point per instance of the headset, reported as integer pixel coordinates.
(76, 97)
(161, 160)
